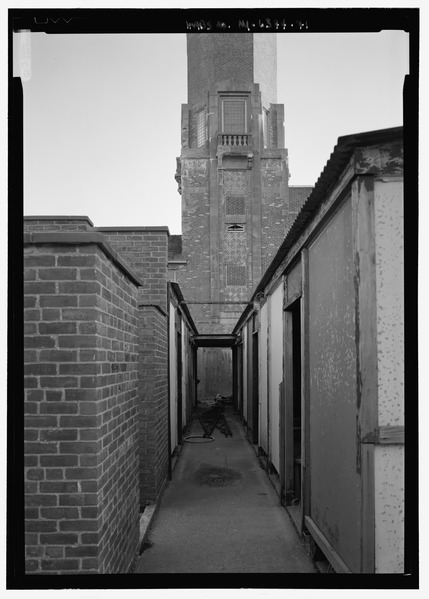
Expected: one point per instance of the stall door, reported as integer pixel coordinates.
(245, 369)
(179, 388)
(275, 374)
(292, 414)
(263, 379)
(173, 378)
(255, 383)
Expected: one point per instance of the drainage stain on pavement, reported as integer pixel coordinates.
(215, 476)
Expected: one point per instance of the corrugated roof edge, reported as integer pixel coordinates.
(339, 157)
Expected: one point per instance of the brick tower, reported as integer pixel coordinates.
(233, 178)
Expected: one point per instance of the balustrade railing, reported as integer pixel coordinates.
(234, 139)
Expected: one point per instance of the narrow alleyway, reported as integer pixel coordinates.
(221, 514)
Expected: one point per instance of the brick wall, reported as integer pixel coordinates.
(81, 394)
(153, 391)
(146, 251)
(217, 57)
(275, 204)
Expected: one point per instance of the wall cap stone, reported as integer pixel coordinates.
(58, 217)
(82, 238)
(130, 228)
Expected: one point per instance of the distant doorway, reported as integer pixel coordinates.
(214, 372)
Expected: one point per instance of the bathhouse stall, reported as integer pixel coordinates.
(321, 350)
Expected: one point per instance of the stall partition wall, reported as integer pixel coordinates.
(335, 482)
(173, 378)
(238, 376)
(185, 352)
(275, 374)
(254, 362)
(251, 414)
(245, 370)
(291, 474)
(263, 380)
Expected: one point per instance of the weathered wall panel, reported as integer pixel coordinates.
(389, 509)
(389, 459)
(335, 481)
(389, 261)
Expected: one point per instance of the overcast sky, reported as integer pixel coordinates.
(102, 115)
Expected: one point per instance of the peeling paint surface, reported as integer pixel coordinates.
(389, 509)
(390, 301)
(335, 483)
(380, 160)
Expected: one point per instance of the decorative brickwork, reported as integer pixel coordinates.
(235, 205)
(235, 275)
(235, 248)
(81, 393)
(274, 207)
(234, 182)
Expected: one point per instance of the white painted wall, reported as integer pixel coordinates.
(389, 459)
(389, 262)
(389, 508)
(263, 395)
(276, 372)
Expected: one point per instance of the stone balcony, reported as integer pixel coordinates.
(234, 140)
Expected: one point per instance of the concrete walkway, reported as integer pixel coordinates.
(221, 514)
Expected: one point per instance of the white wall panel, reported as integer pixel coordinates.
(263, 378)
(275, 372)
